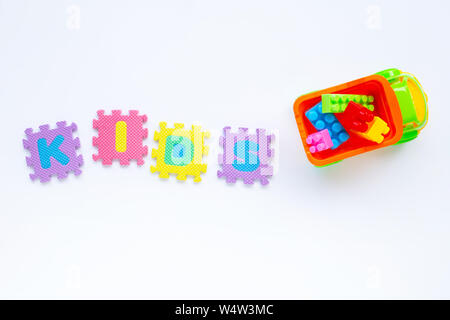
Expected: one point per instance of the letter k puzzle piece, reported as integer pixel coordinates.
(53, 151)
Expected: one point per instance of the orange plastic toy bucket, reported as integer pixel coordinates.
(386, 107)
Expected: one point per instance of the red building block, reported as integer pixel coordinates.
(356, 117)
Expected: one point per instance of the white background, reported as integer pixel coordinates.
(373, 226)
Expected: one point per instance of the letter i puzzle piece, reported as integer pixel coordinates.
(120, 137)
(53, 151)
(180, 151)
(322, 121)
(336, 103)
(246, 156)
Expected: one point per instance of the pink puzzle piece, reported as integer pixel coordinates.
(133, 134)
(319, 141)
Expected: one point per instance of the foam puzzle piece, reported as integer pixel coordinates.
(336, 103)
(319, 141)
(180, 151)
(53, 151)
(356, 117)
(246, 156)
(322, 121)
(120, 137)
(377, 128)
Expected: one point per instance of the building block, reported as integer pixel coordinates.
(53, 151)
(377, 128)
(336, 103)
(246, 156)
(319, 141)
(180, 151)
(322, 121)
(356, 117)
(120, 137)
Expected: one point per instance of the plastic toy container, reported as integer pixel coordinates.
(413, 102)
(386, 106)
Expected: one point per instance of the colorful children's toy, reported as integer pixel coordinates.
(319, 141)
(322, 121)
(335, 103)
(53, 151)
(376, 131)
(412, 99)
(180, 151)
(120, 137)
(246, 156)
(400, 103)
(356, 117)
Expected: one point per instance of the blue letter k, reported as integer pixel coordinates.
(45, 152)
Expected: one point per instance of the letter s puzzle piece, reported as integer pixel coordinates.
(120, 137)
(180, 151)
(53, 151)
(246, 156)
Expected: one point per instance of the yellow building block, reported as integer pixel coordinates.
(377, 128)
(180, 151)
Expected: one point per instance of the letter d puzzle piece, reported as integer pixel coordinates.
(180, 151)
(319, 141)
(53, 151)
(120, 137)
(246, 156)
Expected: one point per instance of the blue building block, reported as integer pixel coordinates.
(322, 121)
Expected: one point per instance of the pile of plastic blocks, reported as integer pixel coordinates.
(340, 117)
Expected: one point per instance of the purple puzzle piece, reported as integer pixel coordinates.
(246, 156)
(53, 151)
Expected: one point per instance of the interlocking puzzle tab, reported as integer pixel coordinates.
(377, 128)
(356, 117)
(180, 151)
(120, 137)
(336, 103)
(319, 141)
(53, 151)
(246, 156)
(322, 121)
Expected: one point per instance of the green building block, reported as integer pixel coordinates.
(337, 103)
